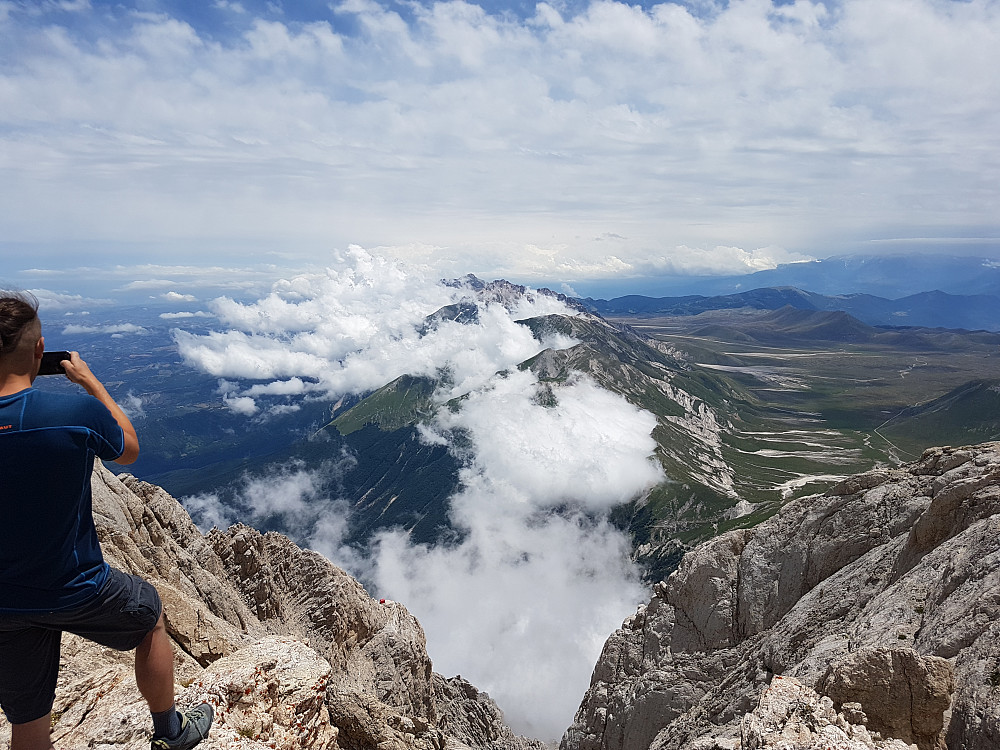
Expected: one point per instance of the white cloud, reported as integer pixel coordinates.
(590, 449)
(522, 611)
(292, 386)
(754, 125)
(717, 261)
(113, 329)
(241, 405)
(132, 405)
(180, 315)
(539, 574)
(208, 511)
(178, 297)
(303, 502)
(543, 589)
(230, 6)
(359, 325)
(52, 302)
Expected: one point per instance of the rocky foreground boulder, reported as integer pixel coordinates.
(866, 617)
(289, 648)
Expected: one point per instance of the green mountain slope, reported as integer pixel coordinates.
(967, 415)
(402, 402)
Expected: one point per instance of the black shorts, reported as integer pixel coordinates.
(119, 617)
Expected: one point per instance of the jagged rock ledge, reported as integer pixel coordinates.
(289, 648)
(877, 602)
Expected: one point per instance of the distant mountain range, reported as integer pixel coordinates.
(926, 309)
(890, 276)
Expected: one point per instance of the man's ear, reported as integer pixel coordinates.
(40, 347)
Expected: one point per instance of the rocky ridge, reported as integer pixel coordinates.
(289, 648)
(865, 617)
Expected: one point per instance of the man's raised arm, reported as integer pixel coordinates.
(79, 372)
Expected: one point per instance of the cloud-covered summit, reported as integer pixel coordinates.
(361, 324)
(520, 597)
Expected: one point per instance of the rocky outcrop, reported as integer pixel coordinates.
(905, 694)
(791, 715)
(289, 649)
(471, 716)
(882, 596)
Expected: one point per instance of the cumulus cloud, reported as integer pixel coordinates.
(537, 572)
(180, 315)
(178, 297)
(132, 405)
(240, 405)
(52, 302)
(303, 502)
(702, 125)
(590, 448)
(523, 604)
(360, 325)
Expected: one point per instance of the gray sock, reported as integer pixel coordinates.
(167, 723)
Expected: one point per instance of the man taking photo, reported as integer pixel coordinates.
(53, 577)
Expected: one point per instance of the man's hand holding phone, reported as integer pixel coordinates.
(52, 363)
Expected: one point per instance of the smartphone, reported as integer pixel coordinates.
(52, 363)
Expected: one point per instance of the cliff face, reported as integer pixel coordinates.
(878, 602)
(289, 648)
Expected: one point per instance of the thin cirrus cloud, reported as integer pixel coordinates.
(113, 329)
(580, 141)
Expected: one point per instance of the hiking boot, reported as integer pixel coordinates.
(195, 723)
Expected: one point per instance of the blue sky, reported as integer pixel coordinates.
(565, 141)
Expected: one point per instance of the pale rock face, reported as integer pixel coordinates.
(289, 649)
(471, 718)
(377, 649)
(905, 694)
(272, 693)
(268, 695)
(882, 592)
(791, 715)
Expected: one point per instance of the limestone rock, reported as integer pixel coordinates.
(903, 693)
(791, 716)
(471, 716)
(883, 594)
(146, 532)
(272, 692)
(289, 648)
(366, 722)
(377, 649)
(269, 694)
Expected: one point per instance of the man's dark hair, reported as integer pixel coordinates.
(17, 310)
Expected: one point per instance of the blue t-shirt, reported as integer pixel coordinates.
(50, 557)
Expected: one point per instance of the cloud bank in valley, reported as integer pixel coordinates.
(526, 600)
(521, 602)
